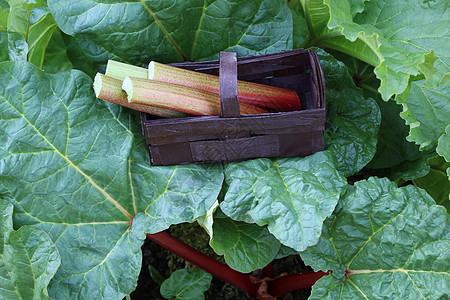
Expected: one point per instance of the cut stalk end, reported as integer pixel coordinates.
(127, 86)
(151, 70)
(97, 84)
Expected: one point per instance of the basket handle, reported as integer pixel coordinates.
(228, 89)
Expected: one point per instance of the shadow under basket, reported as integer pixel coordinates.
(231, 137)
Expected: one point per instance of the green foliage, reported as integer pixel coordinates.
(30, 26)
(246, 247)
(76, 171)
(29, 259)
(82, 202)
(292, 196)
(185, 285)
(392, 242)
(152, 31)
(436, 181)
(353, 119)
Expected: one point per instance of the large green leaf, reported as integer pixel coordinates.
(185, 285)
(29, 259)
(246, 247)
(381, 33)
(395, 157)
(352, 119)
(78, 168)
(383, 242)
(30, 27)
(383, 30)
(292, 195)
(176, 30)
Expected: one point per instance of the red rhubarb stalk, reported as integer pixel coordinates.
(177, 97)
(110, 89)
(205, 262)
(289, 283)
(270, 97)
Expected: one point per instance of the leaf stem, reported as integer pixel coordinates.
(265, 96)
(177, 97)
(110, 89)
(279, 286)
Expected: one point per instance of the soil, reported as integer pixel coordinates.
(165, 262)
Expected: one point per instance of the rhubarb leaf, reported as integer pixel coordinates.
(56, 59)
(78, 168)
(30, 27)
(292, 196)
(29, 259)
(4, 12)
(380, 33)
(443, 148)
(352, 119)
(436, 181)
(246, 247)
(395, 157)
(426, 111)
(4, 56)
(169, 31)
(185, 285)
(390, 242)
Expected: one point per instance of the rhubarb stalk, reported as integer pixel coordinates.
(266, 96)
(177, 97)
(110, 89)
(121, 70)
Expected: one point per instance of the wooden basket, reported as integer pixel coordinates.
(231, 137)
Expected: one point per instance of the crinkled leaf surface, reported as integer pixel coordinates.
(381, 33)
(29, 259)
(352, 119)
(176, 30)
(395, 157)
(291, 195)
(246, 247)
(394, 152)
(436, 181)
(427, 111)
(77, 168)
(185, 285)
(393, 242)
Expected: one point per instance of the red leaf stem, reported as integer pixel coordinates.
(279, 286)
(289, 283)
(210, 265)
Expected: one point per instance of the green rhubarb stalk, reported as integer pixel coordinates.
(177, 97)
(266, 96)
(121, 70)
(110, 89)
